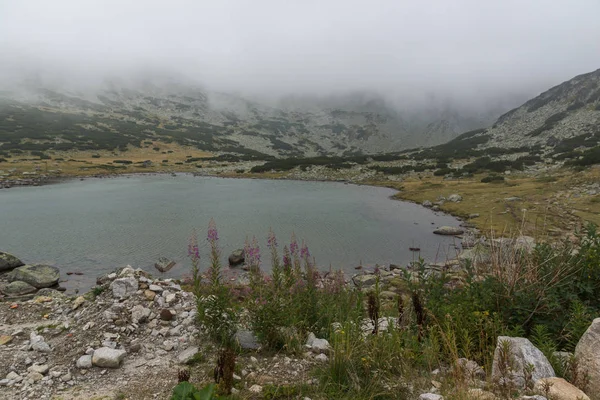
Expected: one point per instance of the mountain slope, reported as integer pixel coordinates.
(118, 114)
(560, 120)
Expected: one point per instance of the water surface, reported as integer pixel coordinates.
(95, 225)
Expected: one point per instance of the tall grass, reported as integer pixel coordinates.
(379, 350)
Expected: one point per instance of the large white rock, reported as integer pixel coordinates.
(588, 354)
(124, 287)
(559, 389)
(105, 357)
(522, 354)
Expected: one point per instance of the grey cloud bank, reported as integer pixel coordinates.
(472, 49)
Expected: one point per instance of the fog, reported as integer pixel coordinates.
(469, 49)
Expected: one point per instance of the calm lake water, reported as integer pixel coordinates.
(95, 225)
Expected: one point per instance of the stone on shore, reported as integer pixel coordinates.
(588, 354)
(124, 287)
(17, 288)
(236, 257)
(455, 198)
(105, 357)
(8, 261)
(365, 280)
(449, 231)
(38, 275)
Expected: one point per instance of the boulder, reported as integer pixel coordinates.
(105, 357)
(17, 288)
(164, 264)
(521, 354)
(449, 231)
(559, 389)
(8, 261)
(38, 276)
(455, 198)
(588, 354)
(237, 257)
(124, 287)
(427, 204)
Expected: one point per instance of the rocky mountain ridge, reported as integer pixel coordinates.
(562, 119)
(118, 114)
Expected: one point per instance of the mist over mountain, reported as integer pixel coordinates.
(291, 125)
(282, 78)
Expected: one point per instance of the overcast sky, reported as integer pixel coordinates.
(303, 46)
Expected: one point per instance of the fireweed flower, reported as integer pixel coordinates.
(304, 253)
(215, 253)
(194, 254)
(213, 235)
(271, 239)
(193, 250)
(294, 245)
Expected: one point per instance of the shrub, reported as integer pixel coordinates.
(493, 179)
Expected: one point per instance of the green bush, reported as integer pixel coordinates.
(493, 179)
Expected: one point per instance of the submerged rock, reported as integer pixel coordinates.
(8, 261)
(38, 275)
(164, 264)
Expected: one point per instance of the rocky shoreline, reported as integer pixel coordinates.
(131, 334)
